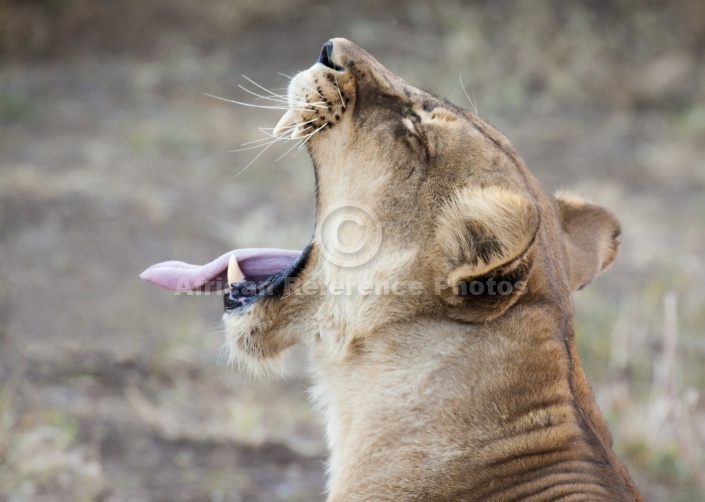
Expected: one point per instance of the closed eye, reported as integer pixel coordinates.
(410, 125)
(411, 121)
(415, 136)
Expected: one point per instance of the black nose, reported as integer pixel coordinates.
(326, 53)
(326, 57)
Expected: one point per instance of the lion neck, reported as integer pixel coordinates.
(404, 401)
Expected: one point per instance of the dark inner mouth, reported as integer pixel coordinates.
(254, 287)
(326, 57)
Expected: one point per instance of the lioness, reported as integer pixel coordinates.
(434, 298)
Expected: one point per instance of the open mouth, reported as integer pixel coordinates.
(249, 274)
(246, 274)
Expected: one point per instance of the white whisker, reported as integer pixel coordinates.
(248, 104)
(257, 157)
(286, 99)
(308, 135)
(292, 78)
(286, 129)
(289, 150)
(265, 107)
(306, 139)
(278, 102)
(271, 99)
(311, 135)
(317, 104)
(260, 140)
(261, 87)
(286, 103)
(271, 137)
(472, 102)
(337, 88)
(263, 129)
(278, 99)
(302, 140)
(270, 142)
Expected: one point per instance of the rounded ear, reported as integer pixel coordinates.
(484, 238)
(590, 235)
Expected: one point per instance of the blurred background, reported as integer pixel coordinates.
(113, 158)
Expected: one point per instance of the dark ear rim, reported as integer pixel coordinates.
(484, 237)
(484, 297)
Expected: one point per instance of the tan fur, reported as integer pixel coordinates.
(441, 392)
(475, 217)
(591, 235)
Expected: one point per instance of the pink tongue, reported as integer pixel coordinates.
(180, 276)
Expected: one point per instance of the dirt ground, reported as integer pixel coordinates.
(112, 158)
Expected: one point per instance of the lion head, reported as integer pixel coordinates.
(435, 252)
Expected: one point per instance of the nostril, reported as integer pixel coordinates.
(326, 57)
(326, 53)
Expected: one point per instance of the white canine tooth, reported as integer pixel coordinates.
(286, 122)
(298, 132)
(235, 275)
